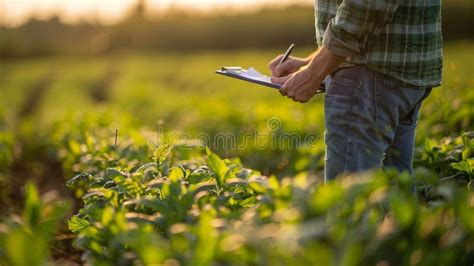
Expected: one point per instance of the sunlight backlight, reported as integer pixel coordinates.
(14, 12)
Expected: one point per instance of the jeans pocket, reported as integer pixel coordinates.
(412, 116)
(344, 81)
(396, 103)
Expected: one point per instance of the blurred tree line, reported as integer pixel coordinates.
(179, 30)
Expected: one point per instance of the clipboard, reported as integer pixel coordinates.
(239, 73)
(253, 76)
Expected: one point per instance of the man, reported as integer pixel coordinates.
(379, 60)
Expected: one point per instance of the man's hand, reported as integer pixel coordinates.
(291, 65)
(299, 86)
(303, 84)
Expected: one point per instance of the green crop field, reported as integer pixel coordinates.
(122, 139)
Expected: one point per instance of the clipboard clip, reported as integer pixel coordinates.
(233, 69)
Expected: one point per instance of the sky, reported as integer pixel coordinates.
(15, 12)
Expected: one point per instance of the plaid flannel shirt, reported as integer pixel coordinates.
(399, 38)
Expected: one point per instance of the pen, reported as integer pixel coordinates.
(287, 54)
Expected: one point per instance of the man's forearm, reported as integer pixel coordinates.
(310, 57)
(323, 62)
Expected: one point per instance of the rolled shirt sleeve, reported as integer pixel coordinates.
(355, 22)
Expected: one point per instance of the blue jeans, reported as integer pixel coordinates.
(370, 121)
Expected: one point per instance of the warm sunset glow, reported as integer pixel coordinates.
(15, 12)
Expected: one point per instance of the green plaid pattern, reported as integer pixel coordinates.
(399, 38)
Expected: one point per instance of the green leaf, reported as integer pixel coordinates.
(217, 165)
(160, 155)
(74, 146)
(32, 212)
(464, 166)
(76, 224)
(80, 179)
(111, 173)
(107, 215)
(207, 240)
(129, 185)
(403, 210)
(327, 197)
(258, 187)
(175, 174)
